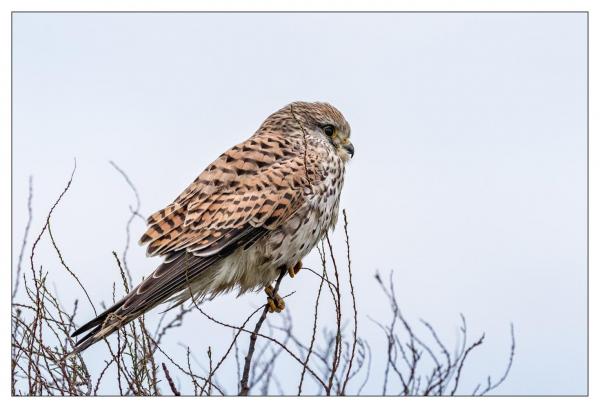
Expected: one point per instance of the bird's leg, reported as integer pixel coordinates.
(275, 302)
(293, 271)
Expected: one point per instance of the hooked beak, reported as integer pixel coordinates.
(349, 148)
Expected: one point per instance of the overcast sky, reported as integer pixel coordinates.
(469, 179)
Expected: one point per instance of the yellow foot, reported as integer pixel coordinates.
(276, 303)
(294, 270)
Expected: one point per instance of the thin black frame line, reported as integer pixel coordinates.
(587, 165)
(301, 11)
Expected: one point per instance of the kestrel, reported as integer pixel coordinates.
(255, 211)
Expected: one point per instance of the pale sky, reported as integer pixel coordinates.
(469, 179)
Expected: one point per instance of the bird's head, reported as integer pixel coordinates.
(324, 121)
(321, 121)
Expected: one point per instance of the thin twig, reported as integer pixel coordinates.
(244, 389)
(25, 235)
(353, 296)
(312, 339)
(170, 380)
(134, 213)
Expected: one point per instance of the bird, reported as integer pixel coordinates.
(253, 214)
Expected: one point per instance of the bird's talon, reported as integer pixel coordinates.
(271, 305)
(280, 304)
(293, 271)
(274, 303)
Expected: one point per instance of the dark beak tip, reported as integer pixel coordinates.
(350, 149)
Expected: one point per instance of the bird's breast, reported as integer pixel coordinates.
(294, 239)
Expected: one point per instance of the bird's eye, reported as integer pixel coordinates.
(329, 130)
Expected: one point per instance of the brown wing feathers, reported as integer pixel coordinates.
(232, 204)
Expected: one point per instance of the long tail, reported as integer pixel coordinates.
(167, 280)
(174, 275)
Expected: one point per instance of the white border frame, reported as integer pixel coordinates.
(591, 6)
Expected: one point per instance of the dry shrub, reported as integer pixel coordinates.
(336, 360)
